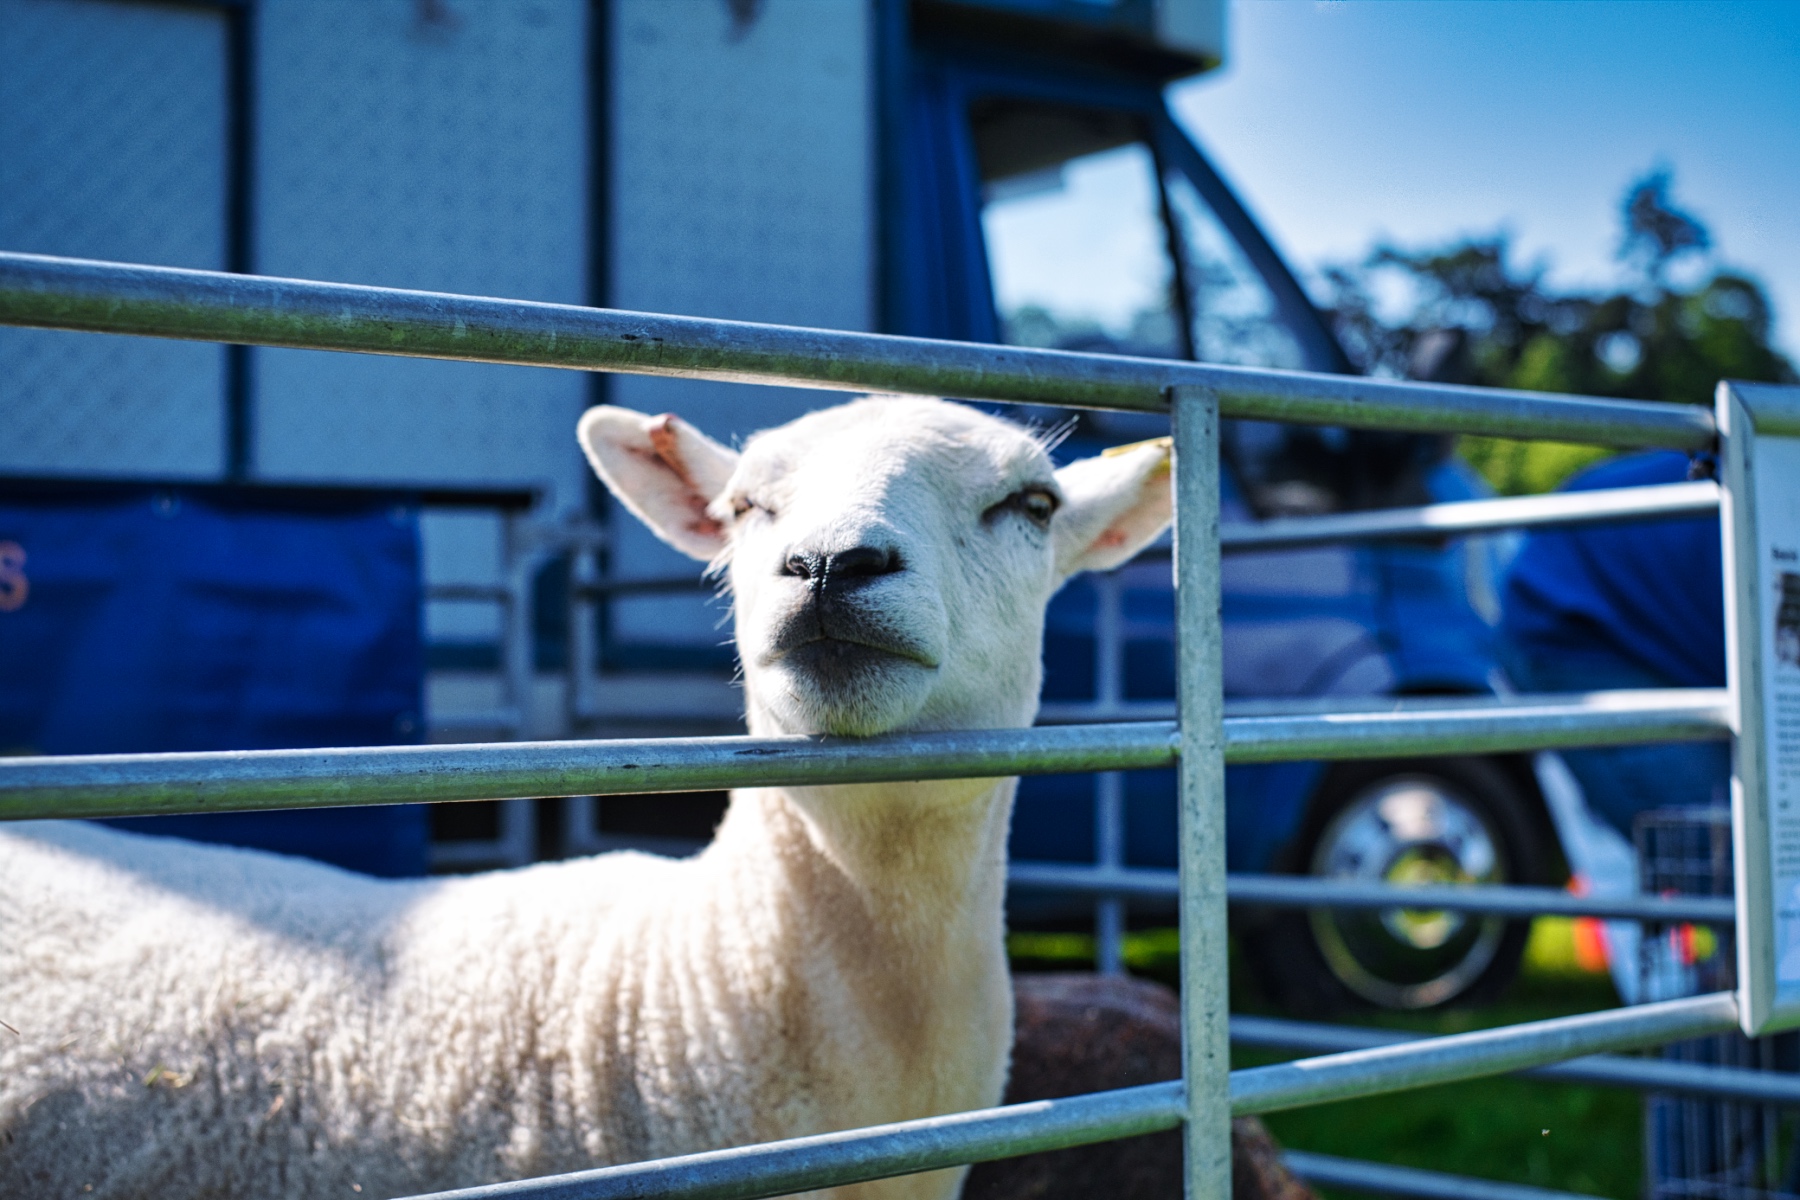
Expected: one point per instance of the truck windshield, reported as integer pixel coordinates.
(1075, 236)
(1092, 248)
(1095, 244)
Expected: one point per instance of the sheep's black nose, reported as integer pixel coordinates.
(843, 570)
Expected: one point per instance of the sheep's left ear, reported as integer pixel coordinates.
(1113, 506)
(665, 470)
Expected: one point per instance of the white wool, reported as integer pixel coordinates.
(195, 1021)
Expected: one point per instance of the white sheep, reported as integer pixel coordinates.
(194, 1021)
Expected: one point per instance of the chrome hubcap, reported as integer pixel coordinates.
(1408, 830)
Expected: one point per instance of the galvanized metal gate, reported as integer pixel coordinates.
(196, 305)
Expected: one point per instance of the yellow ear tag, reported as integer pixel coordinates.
(1165, 444)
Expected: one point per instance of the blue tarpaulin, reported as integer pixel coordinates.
(160, 618)
(1648, 594)
(1621, 605)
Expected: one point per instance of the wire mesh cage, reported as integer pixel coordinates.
(1706, 1149)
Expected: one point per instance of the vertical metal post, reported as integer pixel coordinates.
(583, 648)
(1205, 1044)
(522, 556)
(517, 643)
(1109, 838)
(1109, 786)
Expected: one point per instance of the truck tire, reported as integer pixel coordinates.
(1440, 821)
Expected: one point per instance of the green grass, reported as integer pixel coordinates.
(1580, 1139)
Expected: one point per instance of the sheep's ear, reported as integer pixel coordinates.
(1113, 506)
(665, 471)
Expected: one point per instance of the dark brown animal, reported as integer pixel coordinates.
(1090, 1033)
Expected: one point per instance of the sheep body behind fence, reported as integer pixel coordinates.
(199, 1021)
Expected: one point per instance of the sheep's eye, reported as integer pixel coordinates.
(744, 506)
(1035, 504)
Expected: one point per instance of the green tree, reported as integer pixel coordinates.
(1475, 316)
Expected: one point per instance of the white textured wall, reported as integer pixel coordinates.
(112, 145)
(449, 156)
(742, 187)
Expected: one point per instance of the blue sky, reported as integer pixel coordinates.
(1347, 121)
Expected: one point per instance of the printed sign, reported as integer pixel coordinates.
(1777, 494)
(1761, 526)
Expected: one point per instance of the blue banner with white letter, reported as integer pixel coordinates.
(170, 618)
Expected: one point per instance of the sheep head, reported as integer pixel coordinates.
(889, 559)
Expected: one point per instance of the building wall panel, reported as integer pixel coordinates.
(112, 146)
(742, 187)
(435, 146)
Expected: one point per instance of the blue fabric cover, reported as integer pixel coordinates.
(1646, 592)
(1628, 605)
(214, 619)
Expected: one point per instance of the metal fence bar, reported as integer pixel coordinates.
(1380, 1069)
(799, 1164)
(1383, 1179)
(1476, 516)
(114, 785)
(1200, 780)
(63, 293)
(1481, 726)
(105, 785)
(855, 1155)
(1301, 891)
(1603, 1070)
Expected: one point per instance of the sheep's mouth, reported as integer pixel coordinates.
(828, 659)
(834, 641)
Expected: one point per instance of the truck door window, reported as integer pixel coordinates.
(1077, 248)
(1285, 470)
(1234, 316)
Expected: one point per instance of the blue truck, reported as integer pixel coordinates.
(985, 170)
(1064, 206)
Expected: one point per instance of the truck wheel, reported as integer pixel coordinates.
(1430, 821)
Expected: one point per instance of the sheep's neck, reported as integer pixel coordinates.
(913, 865)
(920, 862)
(923, 855)
(892, 894)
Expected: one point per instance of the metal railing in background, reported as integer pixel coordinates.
(522, 551)
(1380, 1179)
(105, 297)
(1303, 891)
(1603, 1070)
(1459, 518)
